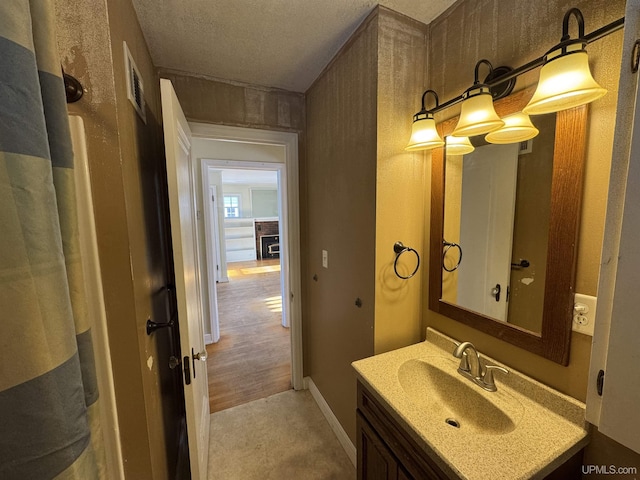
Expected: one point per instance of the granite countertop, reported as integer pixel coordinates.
(548, 426)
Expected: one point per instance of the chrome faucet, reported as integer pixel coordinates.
(470, 368)
(473, 369)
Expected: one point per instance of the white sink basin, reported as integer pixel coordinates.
(435, 384)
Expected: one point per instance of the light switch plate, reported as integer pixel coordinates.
(325, 259)
(584, 314)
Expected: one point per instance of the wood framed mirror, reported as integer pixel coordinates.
(551, 339)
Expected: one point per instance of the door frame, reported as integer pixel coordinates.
(215, 229)
(290, 221)
(279, 168)
(211, 250)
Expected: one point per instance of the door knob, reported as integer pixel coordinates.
(496, 292)
(197, 356)
(200, 356)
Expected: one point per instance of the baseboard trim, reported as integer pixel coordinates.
(343, 438)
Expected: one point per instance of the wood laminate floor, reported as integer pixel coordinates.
(252, 360)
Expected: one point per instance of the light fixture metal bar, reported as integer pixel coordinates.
(538, 62)
(604, 31)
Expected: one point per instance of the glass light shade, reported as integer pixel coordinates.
(424, 135)
(477, 115)
(459, 145)
(517, 128)
(565, 82)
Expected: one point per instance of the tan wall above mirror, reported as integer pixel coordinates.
(535, 307)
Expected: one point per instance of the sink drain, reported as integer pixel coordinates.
(453, 422)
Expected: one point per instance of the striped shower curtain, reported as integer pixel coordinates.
(49, 419)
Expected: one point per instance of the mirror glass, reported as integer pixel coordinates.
(497, 202)
(523, 249)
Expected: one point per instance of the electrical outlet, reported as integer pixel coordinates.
(584, 314)
(325, 259)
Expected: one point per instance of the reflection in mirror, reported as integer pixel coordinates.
(556, 214)
(497, 203)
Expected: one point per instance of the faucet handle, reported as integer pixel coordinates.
(464, 363)
(487, 378)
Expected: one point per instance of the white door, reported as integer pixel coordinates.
(486, 228)
(177, 136)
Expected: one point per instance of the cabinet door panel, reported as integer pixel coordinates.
(375, 461)
(403, 475)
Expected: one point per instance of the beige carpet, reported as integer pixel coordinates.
(281, 437)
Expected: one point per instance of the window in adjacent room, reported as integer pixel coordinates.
(232, 206)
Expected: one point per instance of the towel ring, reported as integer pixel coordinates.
(447, 247)
(399, 248)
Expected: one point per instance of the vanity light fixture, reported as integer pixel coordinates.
(565, 82)
(477, 115)
(458, 145)
(424, 135)
(517, 128)
(565, 78)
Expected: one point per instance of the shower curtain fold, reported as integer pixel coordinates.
(49, 398)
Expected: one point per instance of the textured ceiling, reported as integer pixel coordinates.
(274, 43)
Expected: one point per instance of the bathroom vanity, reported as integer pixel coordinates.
(418, 418)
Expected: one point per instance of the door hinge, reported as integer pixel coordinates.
(213, 199)
(187, 370)
(600, 382)
(198, 216)
(635, 57)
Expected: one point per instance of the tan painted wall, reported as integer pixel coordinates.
(400, 193)
(514, 33)
(127, 177)
(340, 218)
(364, 194)
(531, 226)
(212, 101)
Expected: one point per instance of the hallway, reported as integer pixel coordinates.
(252, 360)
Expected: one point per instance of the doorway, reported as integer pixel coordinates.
(254, 343)
(225, 143)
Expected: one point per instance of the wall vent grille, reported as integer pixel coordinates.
(135, 86)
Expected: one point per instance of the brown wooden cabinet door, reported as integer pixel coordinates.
(375, 461)
(403, 475)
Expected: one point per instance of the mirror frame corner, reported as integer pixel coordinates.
(553, 342)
